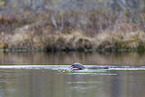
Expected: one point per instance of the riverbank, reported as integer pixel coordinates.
(76, 41)
(72, 31)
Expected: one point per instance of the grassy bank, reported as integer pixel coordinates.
(107, 41)
(76, 30)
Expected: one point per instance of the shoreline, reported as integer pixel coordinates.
(75, 41)
(72, 31)
(72, 50)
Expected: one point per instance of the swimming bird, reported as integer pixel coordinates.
(77, 66)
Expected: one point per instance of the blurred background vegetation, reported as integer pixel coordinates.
(72, 24)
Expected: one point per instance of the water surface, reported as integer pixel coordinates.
(126, 58)
(50, 75)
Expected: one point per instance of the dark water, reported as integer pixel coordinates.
(37, 75)
(133, 58)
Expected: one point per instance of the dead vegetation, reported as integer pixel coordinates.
(75, 30)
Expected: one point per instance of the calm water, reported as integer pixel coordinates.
(71, 57)
(48, 75)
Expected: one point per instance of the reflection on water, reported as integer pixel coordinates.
(51, 83)
(132, 58)
(124, 76)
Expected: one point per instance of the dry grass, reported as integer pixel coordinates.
(121, 40)
(74, 30)
(57, 41)
(79, 41)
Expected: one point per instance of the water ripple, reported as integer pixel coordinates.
(64, 68)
